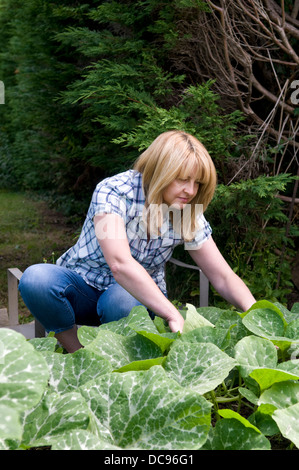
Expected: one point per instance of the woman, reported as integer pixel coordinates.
(134, 221)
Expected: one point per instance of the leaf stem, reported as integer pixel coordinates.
(215, 403)
(226, 400)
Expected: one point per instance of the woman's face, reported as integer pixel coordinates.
(180, 192)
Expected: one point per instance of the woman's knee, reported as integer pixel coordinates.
(40, 287)
(33, 277)
(38, 282)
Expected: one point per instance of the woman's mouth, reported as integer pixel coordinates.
(183, 199)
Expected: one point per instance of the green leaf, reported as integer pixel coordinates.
(86, 334)
(288, 315)
(162, 341)
(208, 334)
(10, 426)
(284, 343)
(249, 395)
(121, 350)
(264, 322)
(262, 419)
(267, 377)
(70, 371)
(44, 344)
(55, 415)
(211, 313)
(142, 365)
(268, 323)
(252, 352)
(232, 434)
(281, 395)
(295, 308)
(287, 420)
(230, 414)
(232, 321)
(291, 366)
(200, 366)
(292, 329)
(23, 371)
(265, 304)
(80, 439)
(193, 319)
(147, 410)
(138, 319)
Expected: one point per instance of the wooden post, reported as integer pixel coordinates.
(203, 282)
(203, 290)
(13, 277)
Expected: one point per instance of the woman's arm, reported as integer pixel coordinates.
(227, 283)
(127, 272)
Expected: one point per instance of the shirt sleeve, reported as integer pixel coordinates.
(108, 200)
(202, 235)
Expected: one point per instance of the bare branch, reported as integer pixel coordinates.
(295, 9)
(240, 44)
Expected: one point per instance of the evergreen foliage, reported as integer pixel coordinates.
(43, 147)
(91, 87)
(249, 224)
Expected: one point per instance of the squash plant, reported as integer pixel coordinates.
(229, 381)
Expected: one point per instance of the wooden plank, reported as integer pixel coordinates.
(3, 318)
(10, 317)
(27, 329)
(203, 290)
(16, 273)
(13, 277)
(203, 281)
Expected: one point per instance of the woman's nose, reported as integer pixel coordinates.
(189, 187)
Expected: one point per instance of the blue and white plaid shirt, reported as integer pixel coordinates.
(123, 195)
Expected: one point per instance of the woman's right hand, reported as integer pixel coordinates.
(176, 323)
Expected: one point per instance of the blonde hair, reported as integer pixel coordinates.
(171, 155)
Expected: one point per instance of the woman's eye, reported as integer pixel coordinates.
(183, 180)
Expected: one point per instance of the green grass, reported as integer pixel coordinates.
(30, 233)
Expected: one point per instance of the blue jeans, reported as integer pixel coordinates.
(59, 298)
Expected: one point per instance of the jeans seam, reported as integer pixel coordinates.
(68, 306)
(70, 311)
(78, 290)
